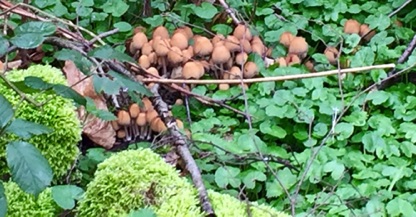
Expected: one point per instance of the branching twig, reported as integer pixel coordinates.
(266, 79)
(229, 11)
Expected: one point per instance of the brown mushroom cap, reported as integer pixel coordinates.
(220, 55)
(235, 73)
(256, 39)
(179, 102)
(121, 134)
(176, 72)
(139, 39)
(175, 56)
(161, 46)
(246, 45)
(152, 58)
(179, 123)
(147, 48)
(153, 71)
(309, 65)
(292, 59)
(232, 43)
(179, 40)
(202, 46)
(258, 47)
(241, 31)
(151, 115)
(286, 38)
(223, 86)
(134, 110)
(144, 61)
(217, 38)
(298, 46)
(364, 29)
(157, 125)
(160, 31)
(250, 70)
(193, 70)
(123, 118)
(351, 26)
(241, 58)
(147, 105)
(115, 125)
(186, 31)
(187, 54)
(331, 54)
(282, 62)
(141, 119)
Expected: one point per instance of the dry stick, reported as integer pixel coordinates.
(266, 79)
(229, 11)
(182, 148)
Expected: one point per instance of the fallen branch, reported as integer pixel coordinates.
(266, 79)
(182, 149)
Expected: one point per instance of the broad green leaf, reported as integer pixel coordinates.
(108, 53)
(154, 21)
(399, 206)
(145, 212)
(205, 10)
(372, 141)
(357, 118)
(250, 179)
(320, 130)
(81, 62)
(26, 129)
(3, 201)
(37, 83)
(131, 85)
(364, 57)
(27, 40)
(115, 7)
(6, 111)
(102, 114)
(29, 168)
(227, 176)
(222, 29)
(65, 195)
(38, 27)
(336, 168)
(272, 129)
(285, 176)
(344, 130)
(123, 26)
(379, 21)
(4, 45)
(378, 97)
(106, 85)
(320, 58)
(409, 129)
(69, 93)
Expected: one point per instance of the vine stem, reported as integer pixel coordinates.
(266, 79)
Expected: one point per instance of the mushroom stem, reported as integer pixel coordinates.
(164, 65)
(128, 133)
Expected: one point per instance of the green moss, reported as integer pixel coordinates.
(21, 203)
(123, 182)
(60, 146)
(134, 179)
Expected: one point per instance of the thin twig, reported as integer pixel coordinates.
(266, 79)
(229, 12)
(102, 35)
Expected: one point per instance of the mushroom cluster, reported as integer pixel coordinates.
(352, 26)
(185, 55)
(139, 122)
(297, 49)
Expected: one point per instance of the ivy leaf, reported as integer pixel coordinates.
(3, 201)
(38, 27)
(6, 111)
(344, 130)
(154, 21)
(250, 179)
(272, 129)
(28, 40)
(336, 168)
(378, 97)
(123, 26)
(320, 58)
(399, 206)
(29, 168)
(145, 212)
(379, 21)
(227, 176)
(65, 195)
(131, 85)
(372, 141)
(205, 10)
(409, 129)
(26, 129)
(115, 7)
(222, 29)
(364, 57)
(106, 52)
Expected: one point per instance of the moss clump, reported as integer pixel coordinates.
(60, 146)
(20, 203)
(135, 179)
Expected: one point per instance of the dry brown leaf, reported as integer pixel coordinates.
(99, 131)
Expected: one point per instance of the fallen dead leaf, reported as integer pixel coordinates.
(99, 131)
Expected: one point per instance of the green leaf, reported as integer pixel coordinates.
(145, 212)
(154, 21)
(102, 114)
(6, 111)
(378, 97)
(69, 93)
(106, 85)
(227, 176)
(250, 179)
(26, 129)
(37, 83)
(4, 45)
(29, 168)
(364, 57)
(222, 29)
(3, 201)
(320, 130)
(379, 21)
(344, 130)
(399, 206)
(28, 40)
(409, 129)
(205, 10)
(123, 26)
(81, 62)
(320, 58)
(38, 27)
(336, 168)
(372, 141)
(106, 52)
(131, 85)
(269, 128)
(65, 195)
(115, 7)
(287, 179)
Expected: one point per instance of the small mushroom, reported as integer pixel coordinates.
(242, 32)
(241, 58)
(331, 54)
(298, 46)
(175, 56)
(309, 65)
(364, 29)
(161, 47)
(202, 46)
(144, 61)
(193, 69)
(139, 39)
(235, 73)
(282, 62)
(134, 110)
(220, 55)
(161, 32)
(292, 59)
(250, 70)
(352, 26)
(218, 38)
(121, 134)
(179, 40)
(223, 86)
(232, 44)
(286, 38)
(246, 45)
(186, 31)
(124, 120)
